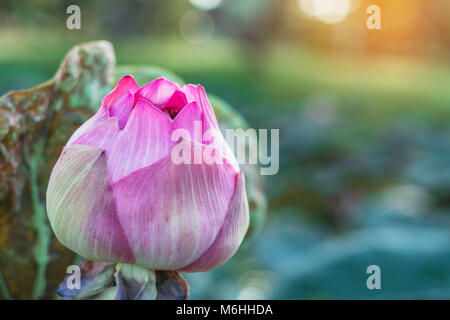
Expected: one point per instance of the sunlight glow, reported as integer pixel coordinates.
(329, 11)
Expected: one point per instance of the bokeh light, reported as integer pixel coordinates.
(196, 27)
(329, 11)
(205, 4)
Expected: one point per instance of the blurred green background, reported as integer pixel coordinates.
(364, 119)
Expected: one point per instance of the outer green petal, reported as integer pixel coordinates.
(81, 206)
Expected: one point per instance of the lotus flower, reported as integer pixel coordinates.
(116, 194)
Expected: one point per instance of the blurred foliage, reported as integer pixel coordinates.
(35, 125)
(364, 130)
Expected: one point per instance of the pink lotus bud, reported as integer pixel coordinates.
(116, 194)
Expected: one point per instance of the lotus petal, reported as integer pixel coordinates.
(119, 102)
(172, 213)
(81, 206)
(231, 234)
(144, 140)
(190, 120)
(101, 115)
(178, 100)
(124, 85)
(158, 92)
(197, 93)
(210, 126)
(116, 104)
(122, 107)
